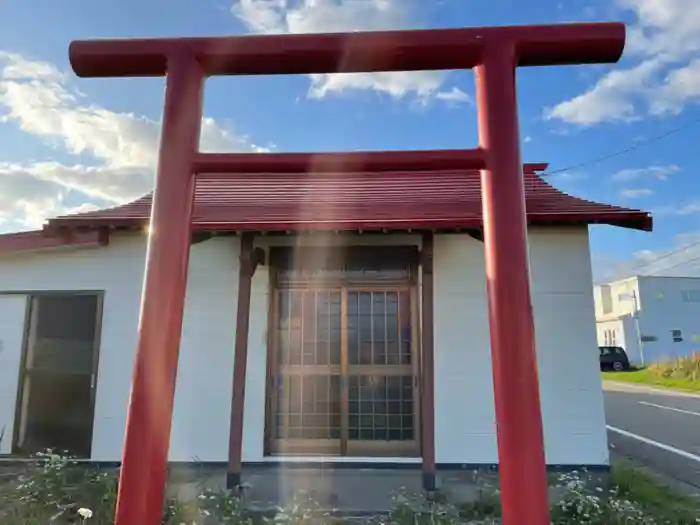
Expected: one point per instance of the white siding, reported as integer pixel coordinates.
(13, 309)
(571, 395)
(202, 401)
(567, 353)
(465, 426)
(662, 310)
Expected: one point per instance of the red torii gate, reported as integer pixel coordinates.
(494, 53)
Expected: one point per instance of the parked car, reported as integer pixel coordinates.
(613, 358)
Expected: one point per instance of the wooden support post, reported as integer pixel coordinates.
(427, 365)
(249, 260)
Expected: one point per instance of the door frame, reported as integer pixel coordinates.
(26, 343)
(410, 285)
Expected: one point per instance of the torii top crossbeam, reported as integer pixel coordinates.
(494, 53)
(431, 49)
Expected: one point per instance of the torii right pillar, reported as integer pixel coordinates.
(522, 466)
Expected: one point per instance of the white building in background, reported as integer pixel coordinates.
(651, 317)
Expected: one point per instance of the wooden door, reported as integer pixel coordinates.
(381, 373)
(306, 378)
(344, 369)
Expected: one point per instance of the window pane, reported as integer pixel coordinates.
(381, 408)
(312, 404)
(64, 337)
(58, 414)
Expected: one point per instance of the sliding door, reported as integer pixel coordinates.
(381, 375)
(59, 373)
(343, 367)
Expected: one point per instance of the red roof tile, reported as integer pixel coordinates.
(351, 201)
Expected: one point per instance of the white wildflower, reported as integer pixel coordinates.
(84, 513)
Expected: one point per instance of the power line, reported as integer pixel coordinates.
(694, 259)
(624, 151)
(667, 255)
(635, 269)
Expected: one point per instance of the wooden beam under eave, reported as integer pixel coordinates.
(427, 393)
(247, 266)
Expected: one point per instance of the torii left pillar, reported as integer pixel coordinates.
(495, 53)
(143, 471)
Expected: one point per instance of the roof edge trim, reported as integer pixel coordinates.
(51, 239)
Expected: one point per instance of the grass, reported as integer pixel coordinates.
(682, 373)
(35, 496)
(656, 499)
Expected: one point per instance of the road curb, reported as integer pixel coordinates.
(650, 388)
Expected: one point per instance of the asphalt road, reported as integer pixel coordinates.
(660, 429)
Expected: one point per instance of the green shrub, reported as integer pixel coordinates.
(685, 368)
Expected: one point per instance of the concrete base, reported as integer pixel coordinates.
(350, 490)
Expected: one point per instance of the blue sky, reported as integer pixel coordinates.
(70, 144)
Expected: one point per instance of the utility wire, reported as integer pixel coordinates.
(694, 259)
(624, 151)
(666, 255)
(635, 269)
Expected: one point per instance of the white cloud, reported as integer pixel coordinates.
(682, 259)
(612, 98)
(40, 100)
(330, 16)
(664, 48)
(655, 172)
(456, 95)
(680, 87)
(636, 193)
(687, 208)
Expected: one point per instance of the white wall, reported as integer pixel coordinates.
(614, 329)
(13, 311)
(203, 396)
(465, 422)
(662, 310)
(619, 298)
(570, 387)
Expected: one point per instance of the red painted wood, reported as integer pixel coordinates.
(522, 469)
(224, 164)
(427, 390)
(495, 52)
(39, 240)
(144, 465)
(240, 357)
(430, 49)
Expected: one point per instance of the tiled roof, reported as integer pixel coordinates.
(352, 201)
